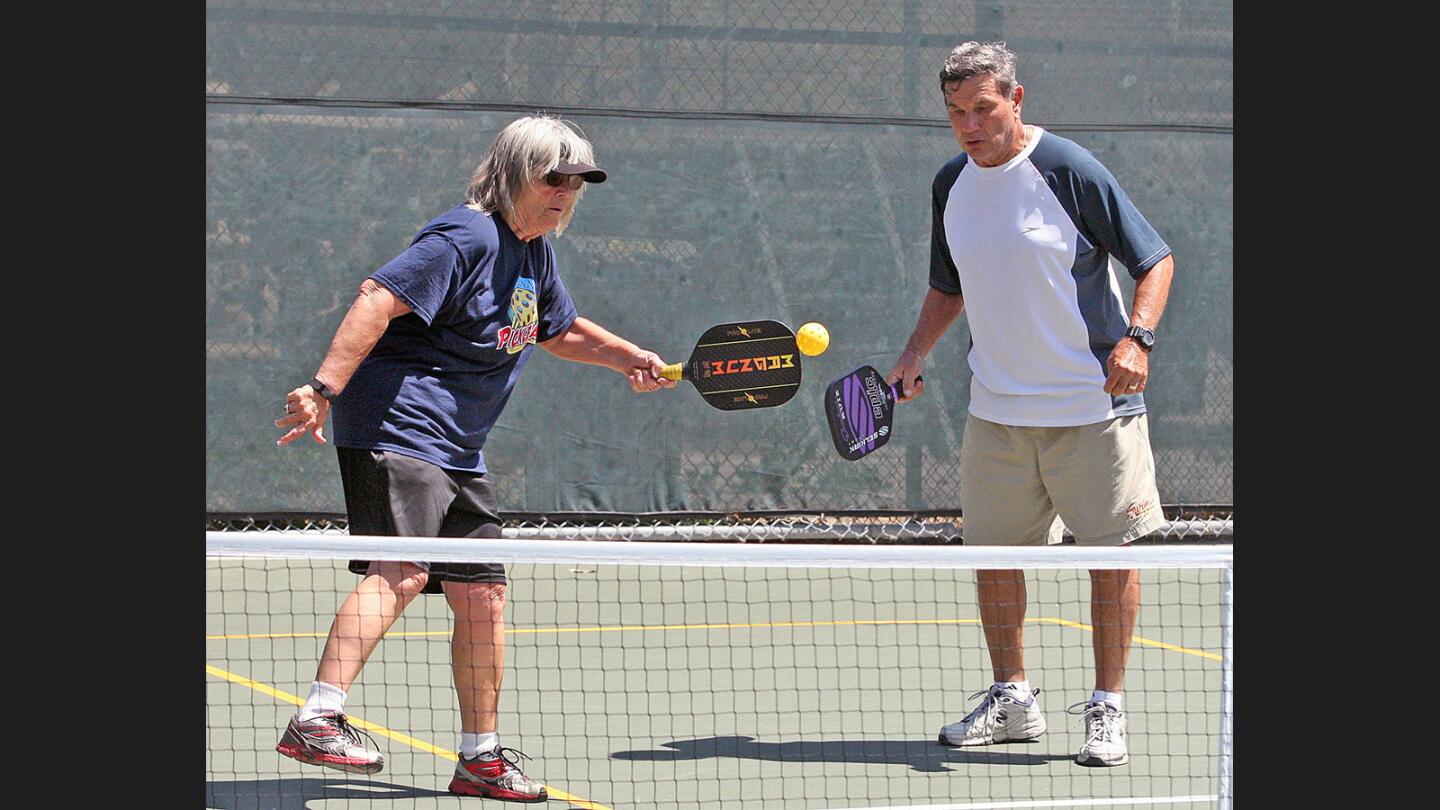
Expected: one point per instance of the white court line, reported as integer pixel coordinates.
(1046, 803)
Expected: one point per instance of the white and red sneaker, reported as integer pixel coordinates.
(329, 740)
(496, 775)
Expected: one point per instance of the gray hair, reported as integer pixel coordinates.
(978, 59)
(524, 151)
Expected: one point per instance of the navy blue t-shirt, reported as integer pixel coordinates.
(436, 382)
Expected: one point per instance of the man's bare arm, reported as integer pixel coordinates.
(939, 310)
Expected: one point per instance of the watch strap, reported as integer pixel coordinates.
(1145, 337)
(326, 392)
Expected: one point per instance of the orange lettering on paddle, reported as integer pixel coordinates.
(741, 365)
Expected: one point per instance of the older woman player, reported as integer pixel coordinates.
(416, 375)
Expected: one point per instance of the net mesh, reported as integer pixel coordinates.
(680, 674)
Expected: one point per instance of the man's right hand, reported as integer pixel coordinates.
(907, 371)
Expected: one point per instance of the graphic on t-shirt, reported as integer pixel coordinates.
(524, 318)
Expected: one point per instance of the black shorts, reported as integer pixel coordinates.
(393, 495)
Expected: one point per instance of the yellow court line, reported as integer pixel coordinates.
(406, 739)
(756, 626)
(256, 685)
(236, 636)
(633, 628)
(575, 800)
(299, 701)
(649, 627)
(1137, 639)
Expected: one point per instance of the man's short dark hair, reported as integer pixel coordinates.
(979, 59)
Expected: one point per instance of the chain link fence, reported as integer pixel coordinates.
(1124, 64)
(767, 160)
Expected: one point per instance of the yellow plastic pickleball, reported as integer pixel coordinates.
(812, 338)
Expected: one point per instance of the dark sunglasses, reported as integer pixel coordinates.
(556, 179)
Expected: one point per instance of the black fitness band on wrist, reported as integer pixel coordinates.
(326, 392)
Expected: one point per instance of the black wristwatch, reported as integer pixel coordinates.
(1143, 336)
(326, 392)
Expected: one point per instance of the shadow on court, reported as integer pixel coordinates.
(293, 794)
(926, 755)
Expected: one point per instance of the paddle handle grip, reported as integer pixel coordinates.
(895, 390)
(674, 371)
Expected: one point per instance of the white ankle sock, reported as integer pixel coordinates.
(324, 697)
(1115, 699)
(472, 745)
(1022, 688)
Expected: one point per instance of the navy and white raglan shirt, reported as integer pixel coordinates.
(1028, 244)
(435, 383)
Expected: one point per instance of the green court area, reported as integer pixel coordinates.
(699, 687)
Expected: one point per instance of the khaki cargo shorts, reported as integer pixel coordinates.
(1022, 486)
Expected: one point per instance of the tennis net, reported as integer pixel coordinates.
(661, 674)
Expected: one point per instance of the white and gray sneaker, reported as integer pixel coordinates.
(1001, 717)
(1104, 745)
(328, 739)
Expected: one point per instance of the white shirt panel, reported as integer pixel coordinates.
(1014, 247)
